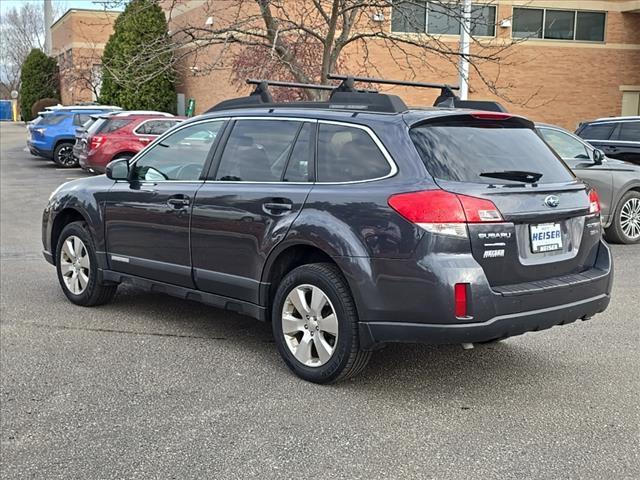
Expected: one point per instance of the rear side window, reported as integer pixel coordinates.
(80, 119)
(155, 127)
(51, 120)
(300, 160)
(258, 150)
(597, 131)
(111, 125)
(348, 154)
(476, 150)
(629, 132)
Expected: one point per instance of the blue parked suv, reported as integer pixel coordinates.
(54, 135)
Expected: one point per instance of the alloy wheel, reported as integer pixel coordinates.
(309, 325)
(630, 218)
(74, 264)
(65, 155)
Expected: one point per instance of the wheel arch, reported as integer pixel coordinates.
(129, 153)
(62, 219)
(63, 140)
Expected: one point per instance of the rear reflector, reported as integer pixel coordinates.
(594, 202)
(460, 299)
(443, 212)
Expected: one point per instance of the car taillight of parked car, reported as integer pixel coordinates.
(446, 213)
(594, 202)
(96, 141)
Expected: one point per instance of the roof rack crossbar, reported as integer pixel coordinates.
(277, 83)
(384, 81)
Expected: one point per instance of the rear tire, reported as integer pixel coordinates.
(321, 344)
(63, 155)
(625, 227)
(77, 268)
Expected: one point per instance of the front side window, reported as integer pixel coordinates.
(597, 132)
(180, 156)
(348, 154)
(564, 144)
(558, 24)
(258, 150)
(111, 125)
(629, 132)
(438, 18)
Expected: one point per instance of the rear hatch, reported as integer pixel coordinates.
(546, 226)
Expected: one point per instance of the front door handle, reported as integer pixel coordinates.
(178, 201)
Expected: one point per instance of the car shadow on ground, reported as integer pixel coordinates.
(398, 366)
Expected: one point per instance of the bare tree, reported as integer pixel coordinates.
(305, 40)
(21, 30)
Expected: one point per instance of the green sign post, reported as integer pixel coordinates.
(191, 107)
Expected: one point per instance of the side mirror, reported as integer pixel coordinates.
(598, 156)
(118, 169)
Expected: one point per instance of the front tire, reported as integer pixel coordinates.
(77, 268)
(315, 325)
(625, 227)
(63, 155)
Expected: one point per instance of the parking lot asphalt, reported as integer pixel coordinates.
(154, 387)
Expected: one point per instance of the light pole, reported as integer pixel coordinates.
(48, 20)
(463, 68)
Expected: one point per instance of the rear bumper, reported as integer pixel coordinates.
(414, 302)
(38, 151)
(376, 333)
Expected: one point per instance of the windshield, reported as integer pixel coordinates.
(490, 152)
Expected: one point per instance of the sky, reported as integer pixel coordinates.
(66, 4)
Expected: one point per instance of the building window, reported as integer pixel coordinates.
(422, 16)
(558, 24)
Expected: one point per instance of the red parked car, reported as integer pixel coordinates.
(122, 135)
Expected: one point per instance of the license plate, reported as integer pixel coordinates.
(546, 237)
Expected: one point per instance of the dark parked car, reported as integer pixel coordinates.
(348, 224)
(617, 182)
(617, 137)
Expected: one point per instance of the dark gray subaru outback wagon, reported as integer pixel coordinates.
(347, 224)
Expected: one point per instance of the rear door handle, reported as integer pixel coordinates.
(178, 201)
(276, 208)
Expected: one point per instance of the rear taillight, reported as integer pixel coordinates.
(594, 202)
(460, 299)
(443, 212)
(96, 141)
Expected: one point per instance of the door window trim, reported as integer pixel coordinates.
(393, 168)
(207, 162)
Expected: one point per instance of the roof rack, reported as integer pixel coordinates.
(346, 96)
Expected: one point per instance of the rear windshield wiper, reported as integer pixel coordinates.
(515, 175)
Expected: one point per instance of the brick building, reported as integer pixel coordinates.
(578, 59)
(77, 41)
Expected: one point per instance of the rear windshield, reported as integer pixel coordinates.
(471, 151)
